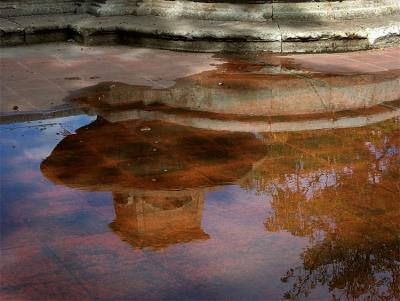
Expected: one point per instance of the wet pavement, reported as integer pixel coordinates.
(127, 198)
(43, 78)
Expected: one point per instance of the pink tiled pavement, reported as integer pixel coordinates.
(40, 77)
(349, 63)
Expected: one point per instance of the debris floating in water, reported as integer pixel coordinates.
(145, 129)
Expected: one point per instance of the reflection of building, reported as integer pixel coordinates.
(158, 173)
(159, 219)
(150, 156)
(242, 96)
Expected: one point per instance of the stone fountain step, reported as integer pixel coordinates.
(205, 35)
(287, 123)
(10, 8)
(210, 10)
(269, 10)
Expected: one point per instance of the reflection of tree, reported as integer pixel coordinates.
(354, 240)
(350, 212)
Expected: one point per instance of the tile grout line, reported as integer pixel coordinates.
(59, 262)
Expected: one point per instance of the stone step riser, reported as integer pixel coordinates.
(37, 8)
(325, 10)
(203, 35)
(267, 11)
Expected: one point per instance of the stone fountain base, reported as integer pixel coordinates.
(275, 26)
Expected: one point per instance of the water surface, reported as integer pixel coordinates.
(149, 209)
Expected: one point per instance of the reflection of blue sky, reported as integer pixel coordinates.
(23, 146)
(31, 142)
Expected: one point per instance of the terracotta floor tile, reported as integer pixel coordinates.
(41, 97)
(96, 254)
(145, 282)
(57, 290)
(34, 82)
(79, 223)
(14, 236)
(33, 264)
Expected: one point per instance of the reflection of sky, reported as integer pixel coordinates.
(28, 143)
(23, 147)
(308, 183)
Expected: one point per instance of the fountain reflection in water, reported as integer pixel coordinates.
(157, 220)
(338, 188)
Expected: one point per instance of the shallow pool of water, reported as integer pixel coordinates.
(136, 209)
